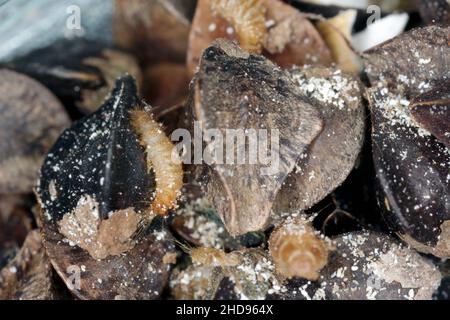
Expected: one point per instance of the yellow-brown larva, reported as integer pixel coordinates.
(297, 249)
(248, 18)
(168, 171)
(212, 257)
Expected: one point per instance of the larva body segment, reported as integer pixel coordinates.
(297, 249)
(168, 171)
(248, 18)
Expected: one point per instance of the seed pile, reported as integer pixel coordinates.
(224, 149)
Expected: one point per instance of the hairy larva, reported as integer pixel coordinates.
(168, 171)
(248, 18)
(297, 249)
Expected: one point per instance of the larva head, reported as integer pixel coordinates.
(435, 12)
(230, 83)
(431, 110)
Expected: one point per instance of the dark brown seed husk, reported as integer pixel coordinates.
(235, 90)
(155, 30)
(94, 191)
(435, 11)
(420, 56)
(368, 265)
(31, 120)
(29, 275)
(412, 165)
(327, 162)
(140, 273)
(443, 293)
(432, 111)
(83, 76)
(8, 250)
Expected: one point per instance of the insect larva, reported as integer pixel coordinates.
(212, 257)
(168, 171)
(248, 18)
(297, 249)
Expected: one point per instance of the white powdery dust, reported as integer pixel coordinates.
(397, 110)
(208, 232)
(328, 90)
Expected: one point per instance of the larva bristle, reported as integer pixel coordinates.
(248, 18)
(168, 171)
(297, 249)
